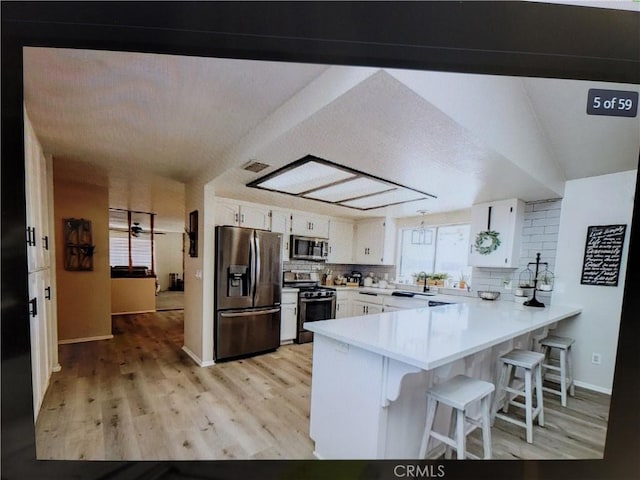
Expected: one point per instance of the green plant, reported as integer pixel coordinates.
(438, 276)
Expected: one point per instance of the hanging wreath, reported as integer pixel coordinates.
(487, 242)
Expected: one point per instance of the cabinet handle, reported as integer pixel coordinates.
(31, 236)
(45, 239)
(295, 310)
(470, 248)
(242, 218)
(33, 311)
(329, 248)
(236, 217)
(337, 307)
(489, 219)
(47, 293)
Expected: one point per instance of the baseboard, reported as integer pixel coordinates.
(85, 339)
(197, 359)
(589, 386)
(56, 368)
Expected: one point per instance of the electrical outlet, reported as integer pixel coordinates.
(596, 358)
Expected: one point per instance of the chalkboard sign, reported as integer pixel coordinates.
(602, 255)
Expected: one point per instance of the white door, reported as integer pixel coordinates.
(255, 217)
(280, 224)
(226, 213)
(342, 309)
(340, 242)
(288, 322)
(496, 217)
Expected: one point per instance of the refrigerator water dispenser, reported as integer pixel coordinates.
(237, 281)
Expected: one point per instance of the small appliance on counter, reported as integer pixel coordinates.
(355, 277)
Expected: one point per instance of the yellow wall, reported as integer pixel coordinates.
(133, 295)
(84, 298)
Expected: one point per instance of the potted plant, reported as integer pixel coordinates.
(462, 281)
(436, 279)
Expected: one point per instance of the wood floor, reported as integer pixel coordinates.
(139, 397)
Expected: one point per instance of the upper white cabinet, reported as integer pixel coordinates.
(280, 223)
(309, 225)
(375, 242)
(494, 239)
(340, 241)
(37, 202)
(240, 214)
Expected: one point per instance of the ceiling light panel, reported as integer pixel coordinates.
(305, 177)
(357, 187)
(399, 195)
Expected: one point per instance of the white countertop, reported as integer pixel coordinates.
(430, 337)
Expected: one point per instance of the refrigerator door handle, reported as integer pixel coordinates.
(249, 312)
(255, 286)
(252, 271)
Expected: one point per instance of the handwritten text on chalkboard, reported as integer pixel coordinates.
(602, 255)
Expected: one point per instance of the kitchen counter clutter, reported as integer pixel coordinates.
(371, 373)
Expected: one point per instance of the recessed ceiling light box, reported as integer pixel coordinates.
(324, 181)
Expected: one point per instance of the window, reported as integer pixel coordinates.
(443, 249)
(119, 250)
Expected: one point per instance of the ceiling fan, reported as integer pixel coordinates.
(136, 229)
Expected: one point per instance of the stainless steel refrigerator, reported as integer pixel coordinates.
(248, 292)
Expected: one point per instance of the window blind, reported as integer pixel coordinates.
(119, 250)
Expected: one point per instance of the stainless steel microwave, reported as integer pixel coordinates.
(308, 248)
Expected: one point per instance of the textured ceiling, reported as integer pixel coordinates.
(146, 123)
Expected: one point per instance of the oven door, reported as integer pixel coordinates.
(313, 310)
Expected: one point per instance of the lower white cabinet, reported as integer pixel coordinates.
(358, 307)
(288, 317)
(342, 309)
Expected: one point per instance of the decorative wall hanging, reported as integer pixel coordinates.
(603, 255)
(78, 247)
(193, 233)
(486, 242)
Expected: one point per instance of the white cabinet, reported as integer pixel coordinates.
(360, 307)
(343, 309)
(289, 317)
(309, 225)
(42, 323)
(504, 217)
(36, 189)
(340, 241)
(39, 318)
(343, 303)
(375, 242)
(280, 220)
(229, 212)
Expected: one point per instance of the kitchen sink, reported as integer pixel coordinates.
(405, 293)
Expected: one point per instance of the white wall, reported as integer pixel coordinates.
(198, 278)
(603, 200)
(168, 257)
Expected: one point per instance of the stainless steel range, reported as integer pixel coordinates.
(314, 301)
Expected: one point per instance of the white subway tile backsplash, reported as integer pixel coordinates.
(539, 235)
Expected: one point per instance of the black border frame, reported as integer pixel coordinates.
(502, 38)
(341, 203)
(590, 229)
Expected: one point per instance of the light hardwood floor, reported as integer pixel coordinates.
(139, 397)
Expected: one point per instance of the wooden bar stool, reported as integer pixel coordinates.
(458, 393)
(531, 363)
(565, 368)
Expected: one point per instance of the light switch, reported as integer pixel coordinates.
(199, 274)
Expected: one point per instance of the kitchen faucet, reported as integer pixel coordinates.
(425, 288)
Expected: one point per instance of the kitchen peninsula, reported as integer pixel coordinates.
(371, 373)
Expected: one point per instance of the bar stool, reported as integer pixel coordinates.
(458, 393)
(531, 363)
(563, 344)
